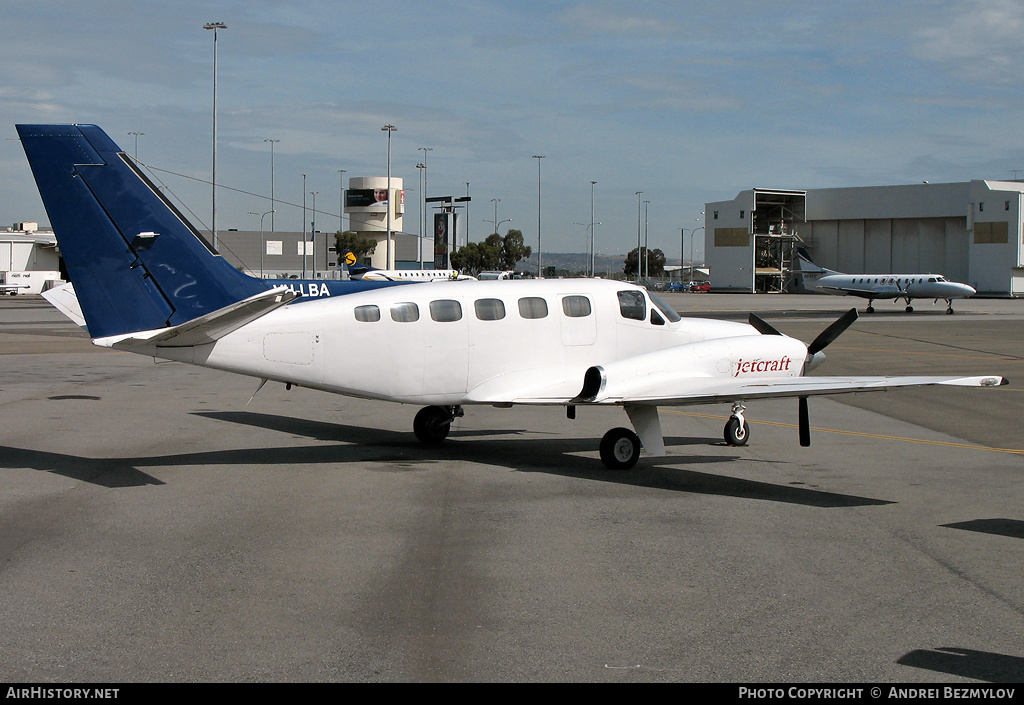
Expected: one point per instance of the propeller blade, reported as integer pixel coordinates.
(832, 332)
(805, 423)
(762, 327)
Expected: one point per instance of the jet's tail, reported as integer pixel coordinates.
(805, 265)
(136, 263)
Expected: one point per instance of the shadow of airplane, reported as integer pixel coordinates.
(968, 663)
(401, 452)
(1013, 528)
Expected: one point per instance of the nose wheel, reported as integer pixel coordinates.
(737, 430)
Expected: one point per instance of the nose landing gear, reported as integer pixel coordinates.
(737, 430)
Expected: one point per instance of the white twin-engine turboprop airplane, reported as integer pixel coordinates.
(881, 286)
(148, 284)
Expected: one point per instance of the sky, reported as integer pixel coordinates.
(686, 102)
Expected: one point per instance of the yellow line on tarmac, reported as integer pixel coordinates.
(992, 356)
(1012, 451)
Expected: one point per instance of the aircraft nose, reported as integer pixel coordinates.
(968, 290)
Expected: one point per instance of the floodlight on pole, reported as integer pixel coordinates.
(136, 157)
(341, 200)
(592, 272)
(540, 250)
(273, 206)
(638, 211)
(389, 129)
(213, 225)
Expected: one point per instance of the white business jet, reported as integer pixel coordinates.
(881, 286)
(149, 285)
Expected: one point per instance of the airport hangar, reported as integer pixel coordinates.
(970, 232)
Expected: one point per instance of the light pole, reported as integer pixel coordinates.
(263, 242)
(495, 201)
(497, 223)
(467, 212)
(273, 206)
(682, 254)
(423, 210)
(389, 129)
(303, 248)
(638, 193)
(341, 200)
(646, 271)
(592, 183)
(136, 157)
(590, 243)
(540, 250)
(312, 234)
(214, 26)
(693, 234)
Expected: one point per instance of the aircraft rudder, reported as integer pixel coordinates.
(136, 263)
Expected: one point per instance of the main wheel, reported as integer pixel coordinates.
(432, 424)
(620, 449)
(869, 309)
(736, 434)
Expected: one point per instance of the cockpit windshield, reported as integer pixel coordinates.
(665, 309)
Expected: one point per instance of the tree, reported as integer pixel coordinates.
(655, 266)
(348, 241)
(513, 250)
(494, 253)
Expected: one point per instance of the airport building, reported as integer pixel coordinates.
(24, 247)
(970, 232)
(280, 254)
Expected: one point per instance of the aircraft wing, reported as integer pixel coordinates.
(709, 391)
(563, 386)
(207, 328)
(863, 293)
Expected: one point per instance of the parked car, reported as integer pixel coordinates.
(700, 287)
(676, 287)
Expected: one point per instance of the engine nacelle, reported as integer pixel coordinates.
(676, 371)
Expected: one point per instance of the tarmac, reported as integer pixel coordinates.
(158, 526)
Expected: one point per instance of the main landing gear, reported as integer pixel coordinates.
(620, 449)
(432, 423)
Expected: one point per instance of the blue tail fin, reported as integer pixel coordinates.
(135, 261)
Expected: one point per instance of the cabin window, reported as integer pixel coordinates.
(533, 307)
(576, 306)
(445, 310)
(367, 314)
(489, 309)
(405, 312)
(656, 318)
(632, 305)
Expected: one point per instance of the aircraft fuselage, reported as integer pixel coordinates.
(481, 342)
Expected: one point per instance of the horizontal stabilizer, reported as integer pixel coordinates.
(65, 300)
(204, 329)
